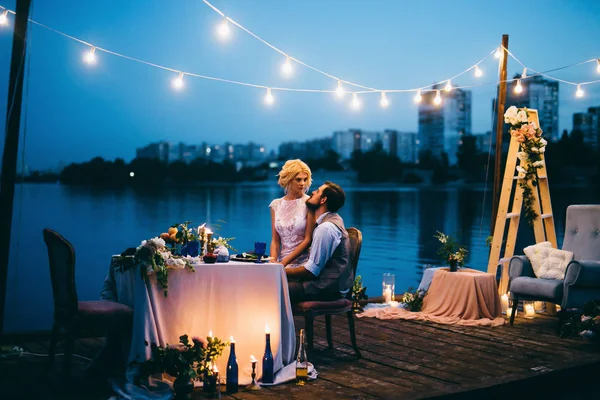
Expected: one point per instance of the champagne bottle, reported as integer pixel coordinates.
(301, 361)
(232, 370)
(267, 362)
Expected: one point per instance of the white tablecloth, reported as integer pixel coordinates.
(230, 299)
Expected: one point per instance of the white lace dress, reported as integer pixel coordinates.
(290, 224)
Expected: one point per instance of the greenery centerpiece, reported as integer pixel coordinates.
(451, 252)
(359, 292)
(413, 299)
(532, 146)
(185, 362)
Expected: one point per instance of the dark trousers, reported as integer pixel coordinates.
(297, 294)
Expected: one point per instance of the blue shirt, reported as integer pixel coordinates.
(326, 238)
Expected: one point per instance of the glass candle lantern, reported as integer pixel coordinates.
(388, 286)
(539, 306)
(509, 311)
(504, 302)
(529, 309)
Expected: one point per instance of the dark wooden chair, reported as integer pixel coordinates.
(76, 319)
(311, 309)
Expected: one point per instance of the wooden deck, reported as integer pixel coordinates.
(401, 359)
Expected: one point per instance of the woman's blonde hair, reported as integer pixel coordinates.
(290, 170)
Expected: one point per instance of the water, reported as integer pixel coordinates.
(398, 224)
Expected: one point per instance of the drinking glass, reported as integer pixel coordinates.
(259, 249)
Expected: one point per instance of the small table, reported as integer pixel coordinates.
(468, 295)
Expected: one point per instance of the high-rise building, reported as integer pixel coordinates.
(159, 151)
(441, 126)
(343, 143)
(407, 147)
(589, 125)
(540, 94)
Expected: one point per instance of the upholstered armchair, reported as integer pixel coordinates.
(582, 277)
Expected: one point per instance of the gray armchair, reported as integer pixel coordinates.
(582, 278)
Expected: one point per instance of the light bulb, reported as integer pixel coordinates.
(579, 92)
(355, 102)
(448, 86)
(518, 88)
(4, 18)
(286, 67)
(269, 97)
(478, 71)
(438, 98)
(384, 100)
(598, 67)
(418, 96)
(223, 29)
(178, 82)
(90, 56)
(340, 92)
(498, 53)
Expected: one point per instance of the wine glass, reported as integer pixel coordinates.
(259, 249)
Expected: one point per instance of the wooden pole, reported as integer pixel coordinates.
(11, 143)
(500, 100)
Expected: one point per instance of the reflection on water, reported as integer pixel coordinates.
(398, 225)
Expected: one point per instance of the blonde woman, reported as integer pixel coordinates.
(292, 223)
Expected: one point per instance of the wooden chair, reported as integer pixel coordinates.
(311, 309)
(76, 318)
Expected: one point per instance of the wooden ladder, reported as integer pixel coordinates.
(543, 226)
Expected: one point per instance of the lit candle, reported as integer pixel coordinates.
(231, 339)
(267, 330)
(529, 310)
(539, 306)
(253, 360)
(557, 307)
(387, 296)
(210, 334)
(504, 301)
(509, 312)
(394, 303)
(209, 234)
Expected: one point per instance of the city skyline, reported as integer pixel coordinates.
(76, 112)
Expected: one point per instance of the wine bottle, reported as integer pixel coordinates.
(301, 361)
(232, 370)
(267, 362)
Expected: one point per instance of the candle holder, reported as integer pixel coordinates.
(253, 385)
(388, 286)
(529, 308)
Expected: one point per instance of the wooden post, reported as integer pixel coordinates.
(11, 143)
(500, 100)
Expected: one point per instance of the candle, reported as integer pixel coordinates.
(253, 360)
(267, 330)
(231, 339)
(387, 297)
(509, 312)
(210, 334)
(394, 303)
(529, 310)
(504, 301)
(539, 306)
(557, 307)
(208, 234)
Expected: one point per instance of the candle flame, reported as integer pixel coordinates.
(215, 369)
(252, 359)
(231, 339)
(208, 231)
(210, 334)
(267, 330)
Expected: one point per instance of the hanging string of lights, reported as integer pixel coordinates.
(90, 57)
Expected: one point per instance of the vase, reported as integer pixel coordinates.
(192, 248)
(210, 258)
(183, 388)
(209, 383)
(453, 266)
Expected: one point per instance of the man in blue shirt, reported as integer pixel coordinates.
(328, 273)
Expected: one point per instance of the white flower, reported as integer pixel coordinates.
(175, 263)
(521, 155)
(522, 116)
(513, 120)
(543, 142)
(511, 112)
(158, 242)
(521, 169)
(543, 149)
(535, 150)
(538, 163)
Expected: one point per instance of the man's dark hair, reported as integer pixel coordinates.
(335, 196)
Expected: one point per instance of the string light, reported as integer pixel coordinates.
(598, 67)
(269, 97)
(579, 92)
(448, 86)
(178, 82)
(438, 98)
(286, 67)
(384, 100)
(478, 71)
(518, 87)
(340, 90)
(418, 96)
(4, 18)
(355, 102)
(223, 29)
(498, 53)
(90, 56)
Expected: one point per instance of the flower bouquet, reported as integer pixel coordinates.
(413, 299)
(451, 252)
(359, 292)
(532, 147)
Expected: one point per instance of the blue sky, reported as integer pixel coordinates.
(76, 112)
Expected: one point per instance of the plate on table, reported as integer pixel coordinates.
(249, 257)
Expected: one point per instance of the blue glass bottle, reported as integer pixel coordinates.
(232, 370)
(267, 362)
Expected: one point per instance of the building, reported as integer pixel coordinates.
(589, 125)
(343, 143)
(540, 94)
(407, 147)
(158, 151)
(441, 126)
(482, 142)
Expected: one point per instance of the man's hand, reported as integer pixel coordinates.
(299, 274)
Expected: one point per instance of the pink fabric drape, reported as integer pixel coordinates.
(466, 297)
